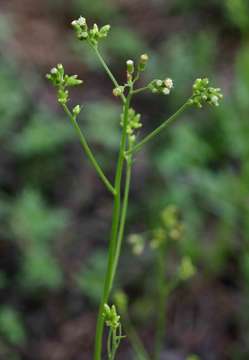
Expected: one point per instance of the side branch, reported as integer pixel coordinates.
(88, 150)
(161, 127)
(108, 71)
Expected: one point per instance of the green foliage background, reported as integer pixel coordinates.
(54, 215)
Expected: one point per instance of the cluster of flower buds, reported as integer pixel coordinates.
(133, 124)
(203, 93)
(137, 243)
(93, 35)
(171, 228)
(111, 318)
(62, 81)
(161, 86)
(186, 269)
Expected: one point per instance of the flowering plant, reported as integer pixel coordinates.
(129, 146)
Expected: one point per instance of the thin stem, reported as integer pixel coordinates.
(137, 91)
(161, 127)
(109, 277)
(123, 215)
(107, 69)
(109, 346)
(88, 150)
(135, 340)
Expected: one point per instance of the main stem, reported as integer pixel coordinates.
(110, 273)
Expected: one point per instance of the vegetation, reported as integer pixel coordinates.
(199, 164)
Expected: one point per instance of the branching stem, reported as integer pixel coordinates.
(87, 150)
(161, 127)
(110, 273)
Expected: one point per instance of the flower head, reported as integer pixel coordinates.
(62, 81)
(161, 86)
(111, 318)
(203, 93)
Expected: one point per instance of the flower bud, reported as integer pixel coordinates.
(143, 62)
(168, 83)
(118, 91)
(130, 66)
(76, 110)
(165, 91)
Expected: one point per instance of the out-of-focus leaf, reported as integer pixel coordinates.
(11, 326)
(90, 278)
(43, 134)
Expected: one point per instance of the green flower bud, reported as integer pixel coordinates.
(76, 110)
(112, 319)
(143, 62)
(130, 66)
(72, 80)
(118, 91)
(104, 30)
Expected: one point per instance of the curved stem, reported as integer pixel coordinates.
(159, 128)
(109, 277)
(108, 71)
(88, 150)
(134, 339)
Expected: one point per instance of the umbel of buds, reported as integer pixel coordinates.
(161, 86)
(93, 35)
(202, 93)
(111, 318)
(62, 81)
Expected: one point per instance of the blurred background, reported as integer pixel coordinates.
(54, 212)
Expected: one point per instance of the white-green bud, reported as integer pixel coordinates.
(143, 62)
(168, 83)
(118, 91)
(165, 91)
(54, 71)
(76, 110)
(81, 21)
(130, 66)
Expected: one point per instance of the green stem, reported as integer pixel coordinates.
(109, 277)
(137, 91)
(123, 215)
(135, 340)
(88, 150)
(108, 71)
(161, 127)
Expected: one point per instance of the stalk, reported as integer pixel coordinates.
(88, 151)
(110, 273)
(123, 214)
(155, 132)
(135, 340)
